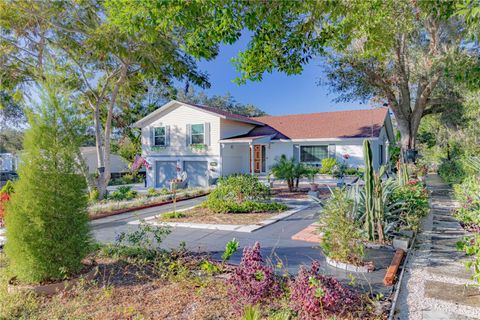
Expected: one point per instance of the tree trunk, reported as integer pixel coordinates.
(104, 172)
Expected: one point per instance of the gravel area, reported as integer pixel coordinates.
(434, 281)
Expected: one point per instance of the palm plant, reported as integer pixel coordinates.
(289, 170)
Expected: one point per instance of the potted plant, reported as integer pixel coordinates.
(311, 172)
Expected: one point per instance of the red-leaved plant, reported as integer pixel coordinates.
(4, 197)
(253, 282)
(314, 296)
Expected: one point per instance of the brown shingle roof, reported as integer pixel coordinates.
(337, 124)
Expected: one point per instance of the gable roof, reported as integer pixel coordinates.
(337, 124)
(215, 111)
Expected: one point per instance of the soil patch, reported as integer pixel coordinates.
(203, 215)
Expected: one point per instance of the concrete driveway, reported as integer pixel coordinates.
(275, 240)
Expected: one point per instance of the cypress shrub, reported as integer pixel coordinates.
(47, 224)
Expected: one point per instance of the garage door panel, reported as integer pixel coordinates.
(165, 171)
(196, 173)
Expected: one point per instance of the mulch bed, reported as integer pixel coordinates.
(203, 215)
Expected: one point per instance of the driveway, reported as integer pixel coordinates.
(275, 240)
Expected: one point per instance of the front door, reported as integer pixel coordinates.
(258, 158)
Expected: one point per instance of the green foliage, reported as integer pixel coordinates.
(230, 249)
(219, 206)
(402, 175)
(151, 192)
(47, 223)
(8, 188)
(289, 170)
(93, 196)
(471, 246)
(252, 312)
(341, 233)
(414, 199)
(142, 243)
(174, 215)
(240, 194)
(452, 171)
(328, 164)
(123, 193)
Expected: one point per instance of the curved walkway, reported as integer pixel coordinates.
(435, 276)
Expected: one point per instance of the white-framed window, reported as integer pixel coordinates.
(159, 136)
(197, 134)
(313, 154)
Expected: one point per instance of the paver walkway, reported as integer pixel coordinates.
(434, 282)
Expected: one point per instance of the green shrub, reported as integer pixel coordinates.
(239, 188)
(468, 194)
(452, 171)
(123, 193)
(8, 188)
(328, 164)
(415, 206)
(47, 224)
(341, 233)
(151, 192)
(93, 196)
(174, 215)
(289, 170)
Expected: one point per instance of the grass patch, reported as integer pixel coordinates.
(174, 215)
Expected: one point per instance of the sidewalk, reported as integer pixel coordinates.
(434, 282)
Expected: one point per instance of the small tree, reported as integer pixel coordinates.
(47, 223)
(289, 170)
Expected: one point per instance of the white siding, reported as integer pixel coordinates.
(178, 118)
(229, 128)
(235, 159)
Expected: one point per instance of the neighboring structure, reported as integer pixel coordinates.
(118, 165)
(8, 162)
(207, 142)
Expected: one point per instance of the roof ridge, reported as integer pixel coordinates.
(322, 112)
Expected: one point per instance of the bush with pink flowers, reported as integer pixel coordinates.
(314, 296)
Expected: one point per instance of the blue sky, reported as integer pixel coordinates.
(278, 93)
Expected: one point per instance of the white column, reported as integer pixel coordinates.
(252, 156)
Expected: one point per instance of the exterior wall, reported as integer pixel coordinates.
(178, 118)
(230, 128)
(235, 158)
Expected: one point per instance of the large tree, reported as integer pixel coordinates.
(102, 64)
(394, 51)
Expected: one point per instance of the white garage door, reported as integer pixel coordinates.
(197, 173)
(165, 171)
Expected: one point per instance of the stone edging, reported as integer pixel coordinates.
(349, 267)
(224, 227)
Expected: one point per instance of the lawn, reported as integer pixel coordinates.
(203, 215)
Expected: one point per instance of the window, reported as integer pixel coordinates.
(198, 134)
(381, 156)
(159, 136)
(313, 154)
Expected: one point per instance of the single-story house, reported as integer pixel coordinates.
(118, 165)
(207, 142)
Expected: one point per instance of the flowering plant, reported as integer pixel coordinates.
(252, 282)
(4, 197)
(139, 162)
(314, 296)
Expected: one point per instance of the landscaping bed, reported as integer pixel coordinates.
(203, 215)
(111, 207)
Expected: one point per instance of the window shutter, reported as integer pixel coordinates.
(167, 136)
(331, 151)
(207, 133)
(296, 153)
(189, 133)
(152, 136)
